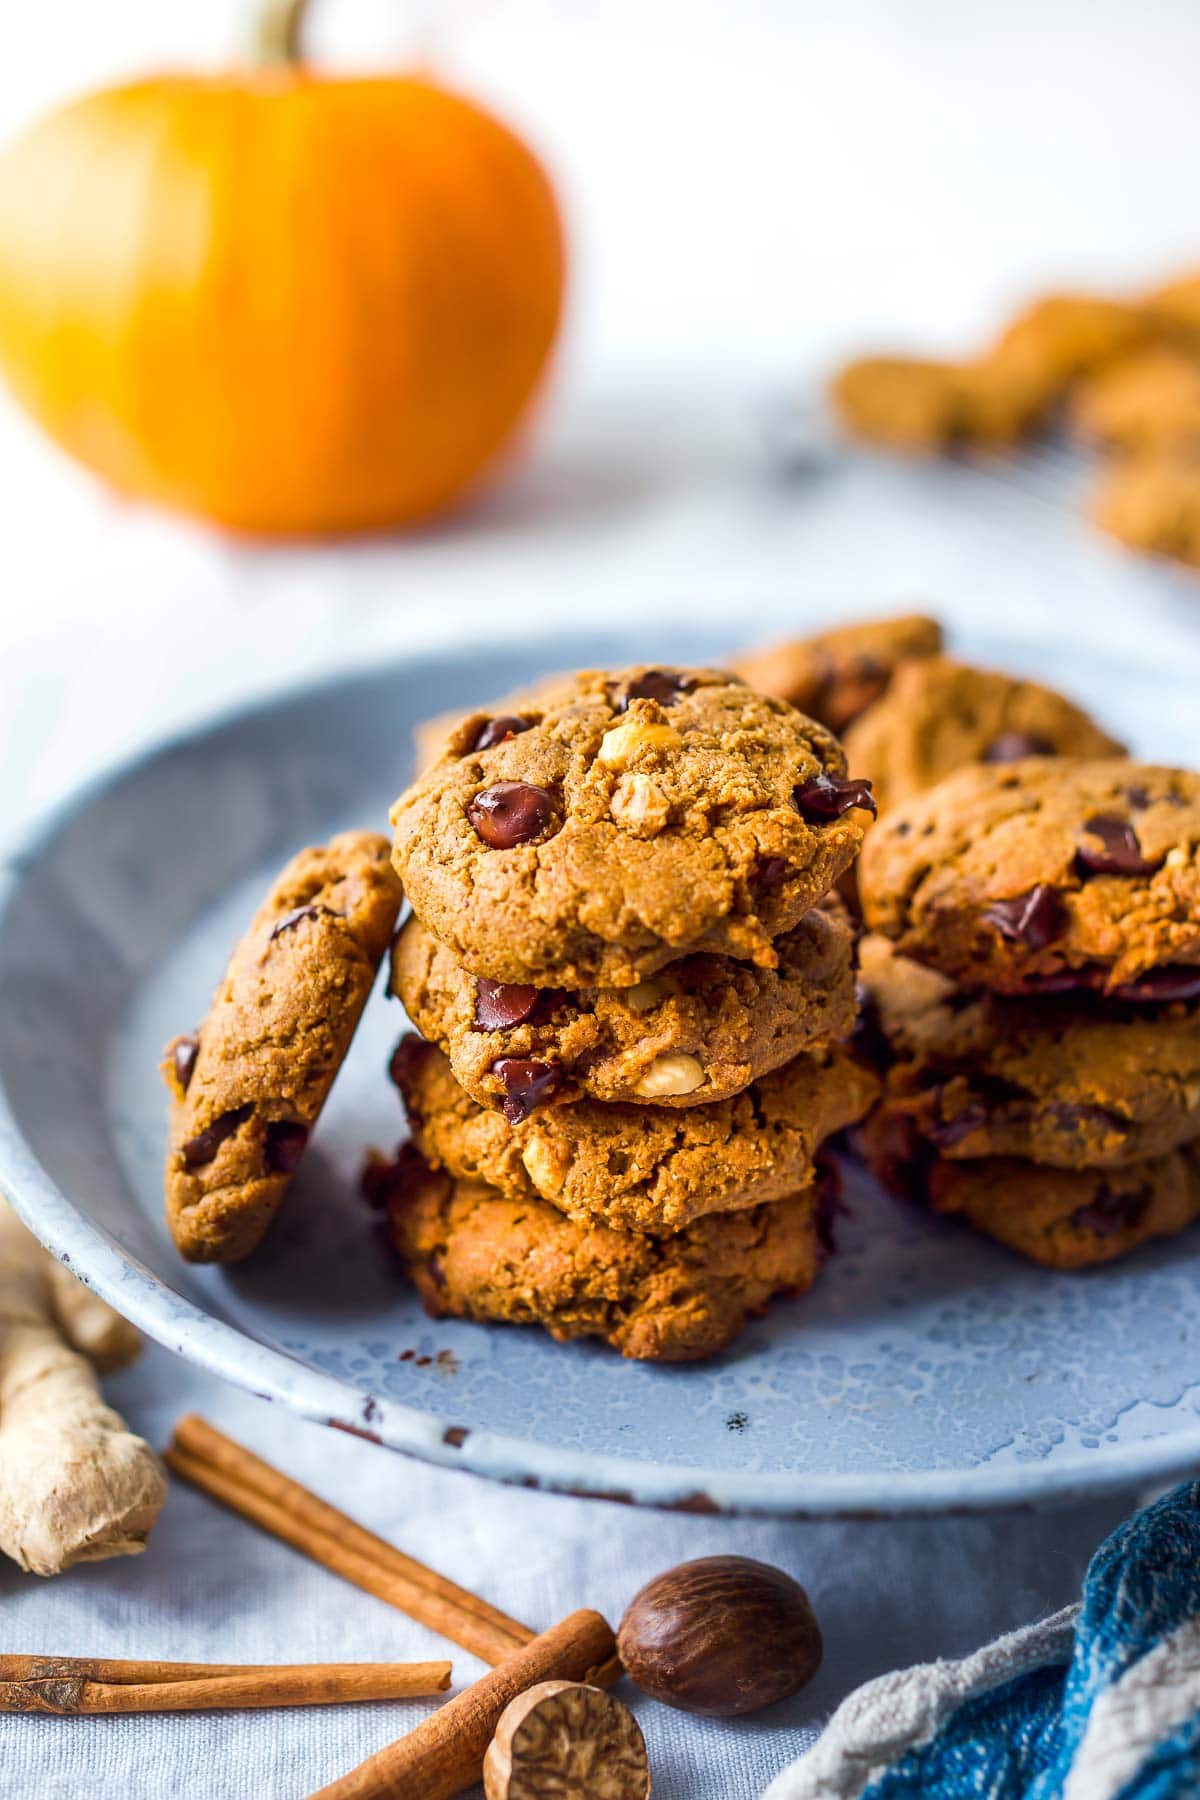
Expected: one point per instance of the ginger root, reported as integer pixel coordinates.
(75, 1484)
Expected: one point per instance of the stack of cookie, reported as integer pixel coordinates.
(1033, 980)
(633, 984)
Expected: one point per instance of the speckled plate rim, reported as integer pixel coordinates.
(221, 1349)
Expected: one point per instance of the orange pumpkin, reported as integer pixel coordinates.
(287, 303)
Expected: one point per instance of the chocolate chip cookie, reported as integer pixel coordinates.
(835, 675)
(923, 407)
(1145, 403)
(624, 821)
(248, 1087)
(1063, 336)
(1046, 875)
(1175, 307)
(1152, 503)
(638, 1168)
(939, 714)
(1061, 1218)
(475, 1255)
(1066, 1082)
(701, 1029)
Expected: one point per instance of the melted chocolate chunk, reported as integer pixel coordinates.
(499, 730)
(289, 920)
(1034, 918)
(510, 813)
(204, 1146)
(1138, 798)
(1170, 981)
(405, 1059)
(184, 1052)
(286, 1139)
(664, 685)
(1121, 854)
(847, 692)
(829, 796)
(1111, 1213)
(868, 1040)
(527, 1084)
(501, 1004)
(769, 872)
(945, 1133)
(1011, 746)
(1071, 1114)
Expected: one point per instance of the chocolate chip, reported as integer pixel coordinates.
(376, 1181)
(499, 730)
(184, 1052)
(848, 691)
(501, 1004)
(945, 1133)
(868, 1040)
(1010, 746)
(286, 1139)
(1072, 1115)
(1138, 798)
(527, 1083)
(1034, 918)
(1110, 1213)
(1170, 981)
(510, 813)
(300, 912)
(1063, 981)
(204, 1146)
(769, 872)
(664, 685)
(1121, 855)
(829, 796)
(406, 1059)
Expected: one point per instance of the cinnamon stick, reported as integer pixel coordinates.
(233, 1475)
(75, 1685)
(444, 1754)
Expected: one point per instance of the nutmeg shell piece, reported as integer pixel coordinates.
(564, 1740)
(720, 1636)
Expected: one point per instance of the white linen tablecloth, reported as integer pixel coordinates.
(212, 1588)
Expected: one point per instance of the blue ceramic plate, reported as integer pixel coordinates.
(928, 1369)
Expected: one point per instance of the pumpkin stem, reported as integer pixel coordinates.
(276, 31)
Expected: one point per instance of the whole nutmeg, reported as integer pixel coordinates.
(720, 1636)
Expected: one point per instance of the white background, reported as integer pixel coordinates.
(751, 188)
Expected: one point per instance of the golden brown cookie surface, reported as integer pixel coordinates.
(476, 1255)
(635, 817)
(638, 1168)
(1152, 503)
(1047, 874)
(1147, 402)
(701, 1029)
(921, 406)
(249, 1086)
(939, 714)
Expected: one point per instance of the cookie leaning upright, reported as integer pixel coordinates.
(249, 1086)
(627, 820)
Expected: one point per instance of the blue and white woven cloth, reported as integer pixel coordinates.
(1099, 1702)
